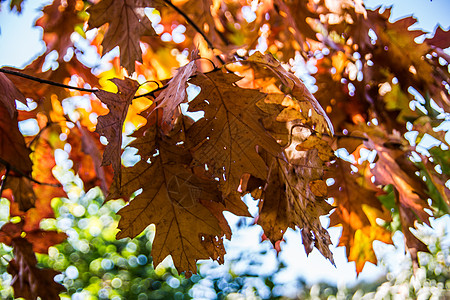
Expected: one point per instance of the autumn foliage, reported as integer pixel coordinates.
(213, 120)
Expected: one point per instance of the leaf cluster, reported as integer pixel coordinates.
(231, 121)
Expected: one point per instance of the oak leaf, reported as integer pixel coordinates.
(393, 168)
(86, 155)
(357, 208)
(58, 22)
(29, 281)
(310, 107)
(13, 150)
(40, 239)
(111, 125)
(22, 190)
(441, 38)
(294, 197)
(226, 138)
(127, 23)
(175, 94)
(170, 199)
(8, 94)
(43, 163)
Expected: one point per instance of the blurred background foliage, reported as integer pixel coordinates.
(95, 265)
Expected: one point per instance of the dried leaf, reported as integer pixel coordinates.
(13, 150)
(58, 22)
(175, 94)
(8, 94)
(291, 200)
(86, 155)
(111, 125)
(127, 23)
(296, 88)
(171, 200)
(29, 281)
(227, 137)
(22, 190)
(441, 38)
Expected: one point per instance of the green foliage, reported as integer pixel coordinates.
(95, 265)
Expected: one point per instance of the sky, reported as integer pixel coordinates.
(20, 43)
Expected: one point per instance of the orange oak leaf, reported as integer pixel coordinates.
(227, 137)
(127, 23)
(357, 208)
(43, 163)
(43, 239)
(111, 125)
(29, 281)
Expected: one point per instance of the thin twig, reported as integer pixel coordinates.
(15, 170)
(151, 93)
(38, 135)
(189, 20)
(339, 136)
(3, 185)
(49, 82)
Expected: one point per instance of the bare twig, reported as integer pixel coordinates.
(151, 93)
(2, 187)
(49, 82)
(38, 135)
(10, 167)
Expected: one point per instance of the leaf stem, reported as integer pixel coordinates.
(49, 82)
(189, 20)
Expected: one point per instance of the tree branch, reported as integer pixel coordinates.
(40, 80)
(10, 167)
(189, 20)
(151, 93)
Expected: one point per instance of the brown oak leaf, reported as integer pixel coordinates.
(22, 190)
(170, 199)
(111, 125)
(13, 150)
(227, 137)
(127, 23)
(8, 94)
(175, 94)
(294, 197)
(29, 281)
(306, 103)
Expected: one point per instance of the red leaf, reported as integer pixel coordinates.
(8, 94)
